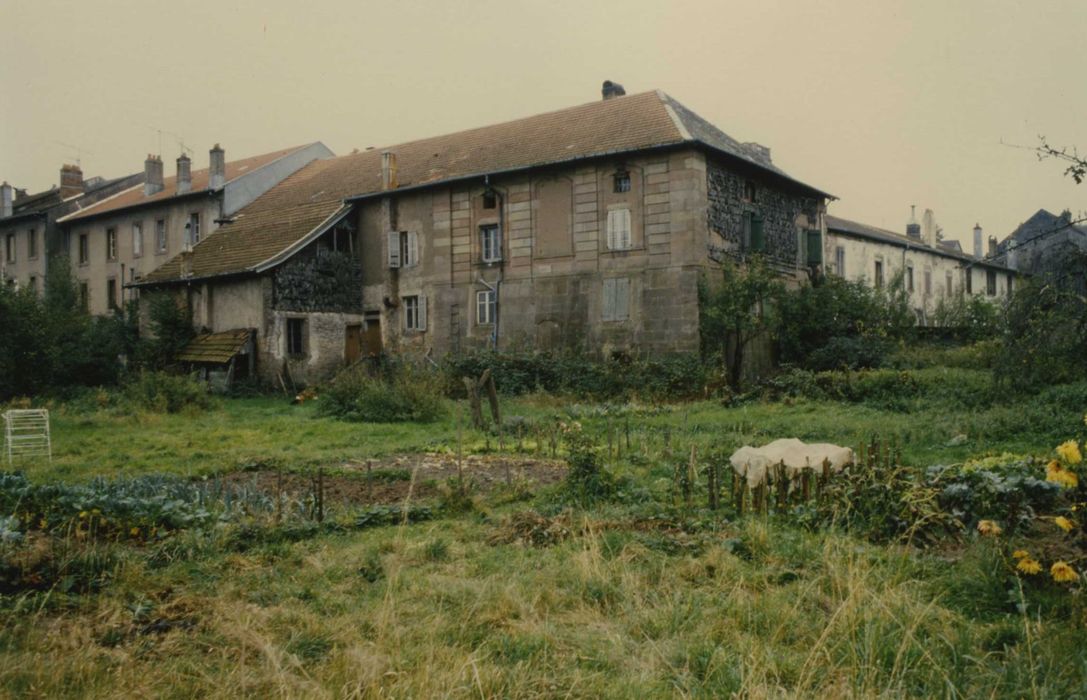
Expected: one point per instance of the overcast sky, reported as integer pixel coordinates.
(884, 103)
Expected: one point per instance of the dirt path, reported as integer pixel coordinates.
(375, 481)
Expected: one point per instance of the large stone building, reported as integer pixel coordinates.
(931, 270)
(29, 233)
(131, 233)
(584, 230)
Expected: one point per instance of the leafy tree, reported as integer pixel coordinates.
(742, 307)
(171, 329)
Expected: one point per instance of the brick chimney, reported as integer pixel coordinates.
(152, 175)
(610, 90)
(913, 229)
(184, 174)
(390, 179)
(71, 181)
(992, 246)
(217, 169)
(7, 194)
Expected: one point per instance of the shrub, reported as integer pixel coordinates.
(587, 481)
(393, 394)
(167, 393)
(969, 317)
(1007, 490)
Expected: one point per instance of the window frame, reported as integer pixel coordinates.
(83, 254)
(193, 233)
(618, 237)
(909, 278)
(32, 244)
(619, 313)
(486, 307)
(111, 294)
(294, 336)
(494, 233)
(839, 260)
(9, 248)
(878, 274)
(161, 243)
(621, 182)
(990, 283)
(111, 243)
(414, 313)
(137, 239)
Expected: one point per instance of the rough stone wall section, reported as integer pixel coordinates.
(319, 279)
(778, 208)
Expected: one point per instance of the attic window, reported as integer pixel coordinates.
(490, 199)
(622, 180)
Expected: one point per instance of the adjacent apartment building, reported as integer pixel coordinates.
(930, 269)
(29, 233)
(584, 229)
(115, 240)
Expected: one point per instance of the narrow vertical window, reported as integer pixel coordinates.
(160, 236)
(84, 249)
(990, 282)
(969, 280)
(296, 336)
(111, 244)
(9, 253)
(490, 243)
(909, 279)
(839, 260)
(485, 307)
(928, 282)
(111, 294)
(32, 244)
(879, 274)
(137, 240)
(949, 284)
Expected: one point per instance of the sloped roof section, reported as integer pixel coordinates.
(298, 206)
(839, 225)
(135, 196)
(215, 348)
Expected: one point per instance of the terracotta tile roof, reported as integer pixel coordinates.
(135, 196)
(217, 348)
(289, 212)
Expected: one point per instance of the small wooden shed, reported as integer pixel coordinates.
(222, 358)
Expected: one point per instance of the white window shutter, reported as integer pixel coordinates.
(422, 312)
(624, 229)
(413, 249)
(394, 248)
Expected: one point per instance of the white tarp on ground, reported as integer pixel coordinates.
(756, 463)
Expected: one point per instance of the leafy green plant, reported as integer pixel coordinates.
(161, 392)
(394, 394)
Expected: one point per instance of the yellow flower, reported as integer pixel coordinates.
(1020, 554)
(1028, 566)
(1064, 523)
(1062, 572)
(1059, 475)
(989, 527)
(1069, 452)
(135, 532)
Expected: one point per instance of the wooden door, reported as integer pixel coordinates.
(352, 349)
(371, 338)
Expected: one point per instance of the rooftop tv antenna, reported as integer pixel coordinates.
(78, 152)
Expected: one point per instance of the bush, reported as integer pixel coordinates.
(667, 378)
(393, 394)
(167, 393)
(969, 317)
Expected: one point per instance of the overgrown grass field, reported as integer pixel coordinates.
(518, 592)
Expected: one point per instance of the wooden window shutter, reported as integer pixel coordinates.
(815, 247)
(622, 299)
(758, 241)
(624, 229)
(413, 249)
(619, 229)
(612, 229)
(394, 248)
(422, 312)
(608, 311)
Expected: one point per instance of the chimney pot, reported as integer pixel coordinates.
(217, 169)
(152, 175)
(71, 181)
(610, 90)
(184, 174)
(389, 177)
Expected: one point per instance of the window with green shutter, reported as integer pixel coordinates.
(815, 247)
(758, 238)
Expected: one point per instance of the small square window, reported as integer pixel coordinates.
(490, 200)
(490, 243)
(486, 304)
(621, 181)
(296, 336)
